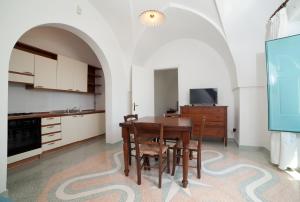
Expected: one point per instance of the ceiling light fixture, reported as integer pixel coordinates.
(152, 18)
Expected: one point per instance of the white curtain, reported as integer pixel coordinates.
(285, 146)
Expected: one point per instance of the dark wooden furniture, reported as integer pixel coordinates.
(146, 148)
(194, 146)
(128, 118)
(93, 83)
(216, 120)
(180, 128)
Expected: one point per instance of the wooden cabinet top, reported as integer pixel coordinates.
(203, 106)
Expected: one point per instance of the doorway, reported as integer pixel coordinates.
(165, 91)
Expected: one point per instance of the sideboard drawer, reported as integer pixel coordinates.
(50, 120)
(51, 137)
(51, 129)
(51, 145)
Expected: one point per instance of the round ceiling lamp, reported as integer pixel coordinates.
(152, 18)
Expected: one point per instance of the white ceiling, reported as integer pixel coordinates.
(184, 19)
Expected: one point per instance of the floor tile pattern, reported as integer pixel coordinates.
(94, 172)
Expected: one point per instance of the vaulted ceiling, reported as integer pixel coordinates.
(185, 19)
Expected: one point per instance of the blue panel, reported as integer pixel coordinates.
(283, 68)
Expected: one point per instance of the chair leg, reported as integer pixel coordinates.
(138, 169)
(178, 156)
(198, 164)
(160, 171)
(147, 163)
(191, 155)
(129, 152)
(168, 161)
(174, 161)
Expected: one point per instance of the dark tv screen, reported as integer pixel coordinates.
(204, 96)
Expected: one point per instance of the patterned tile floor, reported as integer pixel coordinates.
(94, 172)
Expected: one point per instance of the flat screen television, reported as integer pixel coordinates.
(204, 96)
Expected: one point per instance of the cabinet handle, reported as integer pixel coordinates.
(51, 135)
(50, 118)
(50, 126)
(27, 72)
(51, 143)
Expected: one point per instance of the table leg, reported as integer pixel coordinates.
(125, 135)
(185, 159)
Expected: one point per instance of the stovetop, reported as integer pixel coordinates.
(19, 114)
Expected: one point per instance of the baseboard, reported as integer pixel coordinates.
(4, 194)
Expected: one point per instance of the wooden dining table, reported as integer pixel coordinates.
(174, 127)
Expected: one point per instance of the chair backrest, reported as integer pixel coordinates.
(199, 135)
(172, 115)
(131, 117)
(144, 133)
(203, 122)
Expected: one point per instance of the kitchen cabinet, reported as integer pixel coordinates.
(80, 77)
(19, 78)
(45, 72)
(51, 133)
(79, 127)
(21, 67)
(21, 62)
(71, 74)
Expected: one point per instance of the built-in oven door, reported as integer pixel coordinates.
(23, 135)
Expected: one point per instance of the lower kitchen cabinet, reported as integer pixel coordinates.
(79, 127)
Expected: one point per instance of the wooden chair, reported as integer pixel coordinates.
(194, 146)
(171, 142)
(146, 148)
(131, 117)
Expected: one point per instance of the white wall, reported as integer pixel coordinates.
(165, 90)
(245, 28)
(199, 66)
(22, 100)
(61, 42)
(91, 27)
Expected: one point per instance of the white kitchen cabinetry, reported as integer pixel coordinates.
(19, 78)
(21, 67)
(79, 127)
(80, 77)
(45, 72)
(51, 133)
(71, 74)
(21, 62)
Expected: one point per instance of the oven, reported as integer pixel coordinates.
(23, 135)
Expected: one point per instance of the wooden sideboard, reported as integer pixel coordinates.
(216, 120)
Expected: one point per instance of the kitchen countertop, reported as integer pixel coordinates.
(52, 114)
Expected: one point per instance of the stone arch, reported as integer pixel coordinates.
(89, 26)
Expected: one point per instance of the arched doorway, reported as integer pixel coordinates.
(91, 28)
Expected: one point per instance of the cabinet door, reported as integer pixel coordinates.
(45, 72)
(21, 61)
(95, 124)
(80, 76)
(65, 73)
(70, 126)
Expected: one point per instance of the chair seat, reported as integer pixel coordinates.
(151, 150)
(192, 146)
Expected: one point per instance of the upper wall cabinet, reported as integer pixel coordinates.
(45, 72)
(21, 62)
(80, 77)
(71, 74)
(21, 67)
